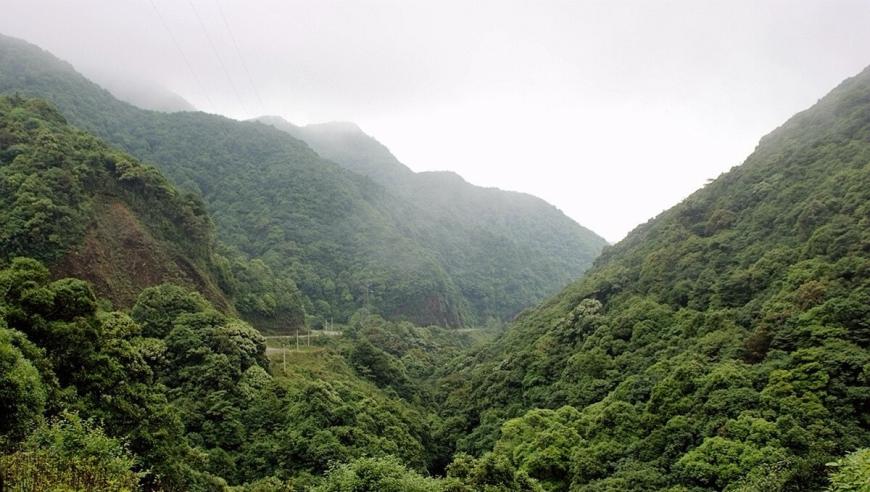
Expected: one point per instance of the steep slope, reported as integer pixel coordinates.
(346, 144)
(169, 393)
(94, 212)
(345, 240)
(178, 383)
(502, 248)
(335, 233)
(722, 345)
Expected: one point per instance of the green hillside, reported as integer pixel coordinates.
(171, 391)
(173, 395)
(345, 144)
(501, 248)
(343, 239)
(722, 345)
(96, 213)
(92, 212)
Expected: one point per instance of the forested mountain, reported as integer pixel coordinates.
(346, 241)
(144, 95)
(725, 344)
(93, 212)
(487, 226)
(346, 144)
(170, 391)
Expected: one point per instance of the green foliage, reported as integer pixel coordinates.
(719, 461)
(725, 345)
(22, 394)
(65, 196)
(503, 250)
(380, 367)
(437, 252)
(343, 418)
(376, 475)
(55, 181)
(58, 185)
(490, 473)
(70, 454)
(271, 302)
(541, 444)
(189, 390)
(721, 346)
(157, 308)
(851, 473)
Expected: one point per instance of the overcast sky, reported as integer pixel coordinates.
(612, 111)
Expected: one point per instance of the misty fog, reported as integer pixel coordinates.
(612, 111)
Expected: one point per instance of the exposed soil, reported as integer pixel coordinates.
(120, 257)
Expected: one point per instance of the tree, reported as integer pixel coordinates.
(71, 454)
(851, 473)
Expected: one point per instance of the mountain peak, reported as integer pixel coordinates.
(336, 126)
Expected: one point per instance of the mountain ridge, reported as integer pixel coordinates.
(701, 328)
(724, 345)
(485, 213)
(116, 223)
(344, 239)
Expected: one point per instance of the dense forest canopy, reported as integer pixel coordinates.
(70, 200)
(346, 241)
(96, 213)
(172, 393)
(723, 345)
(489, 229)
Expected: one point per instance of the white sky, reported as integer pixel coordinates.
(611, 110)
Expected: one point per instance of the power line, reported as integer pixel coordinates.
(181, 52)
(217, 55)
(241, 58)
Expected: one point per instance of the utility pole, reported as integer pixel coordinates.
(297, 339)
(368, 289)
(284, 354)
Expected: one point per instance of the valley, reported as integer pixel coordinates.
(194, 302)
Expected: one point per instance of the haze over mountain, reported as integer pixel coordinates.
(724, 345)
(345, 143)
(487, 224)
(444, 253)
(145, 95)
(560, 93)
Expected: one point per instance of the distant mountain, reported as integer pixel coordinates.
(723, 345)
(145, 95)
(346, 144)
(345, 240)
(272, 198)
(488, 228)
(116, 372)
(93, 212)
